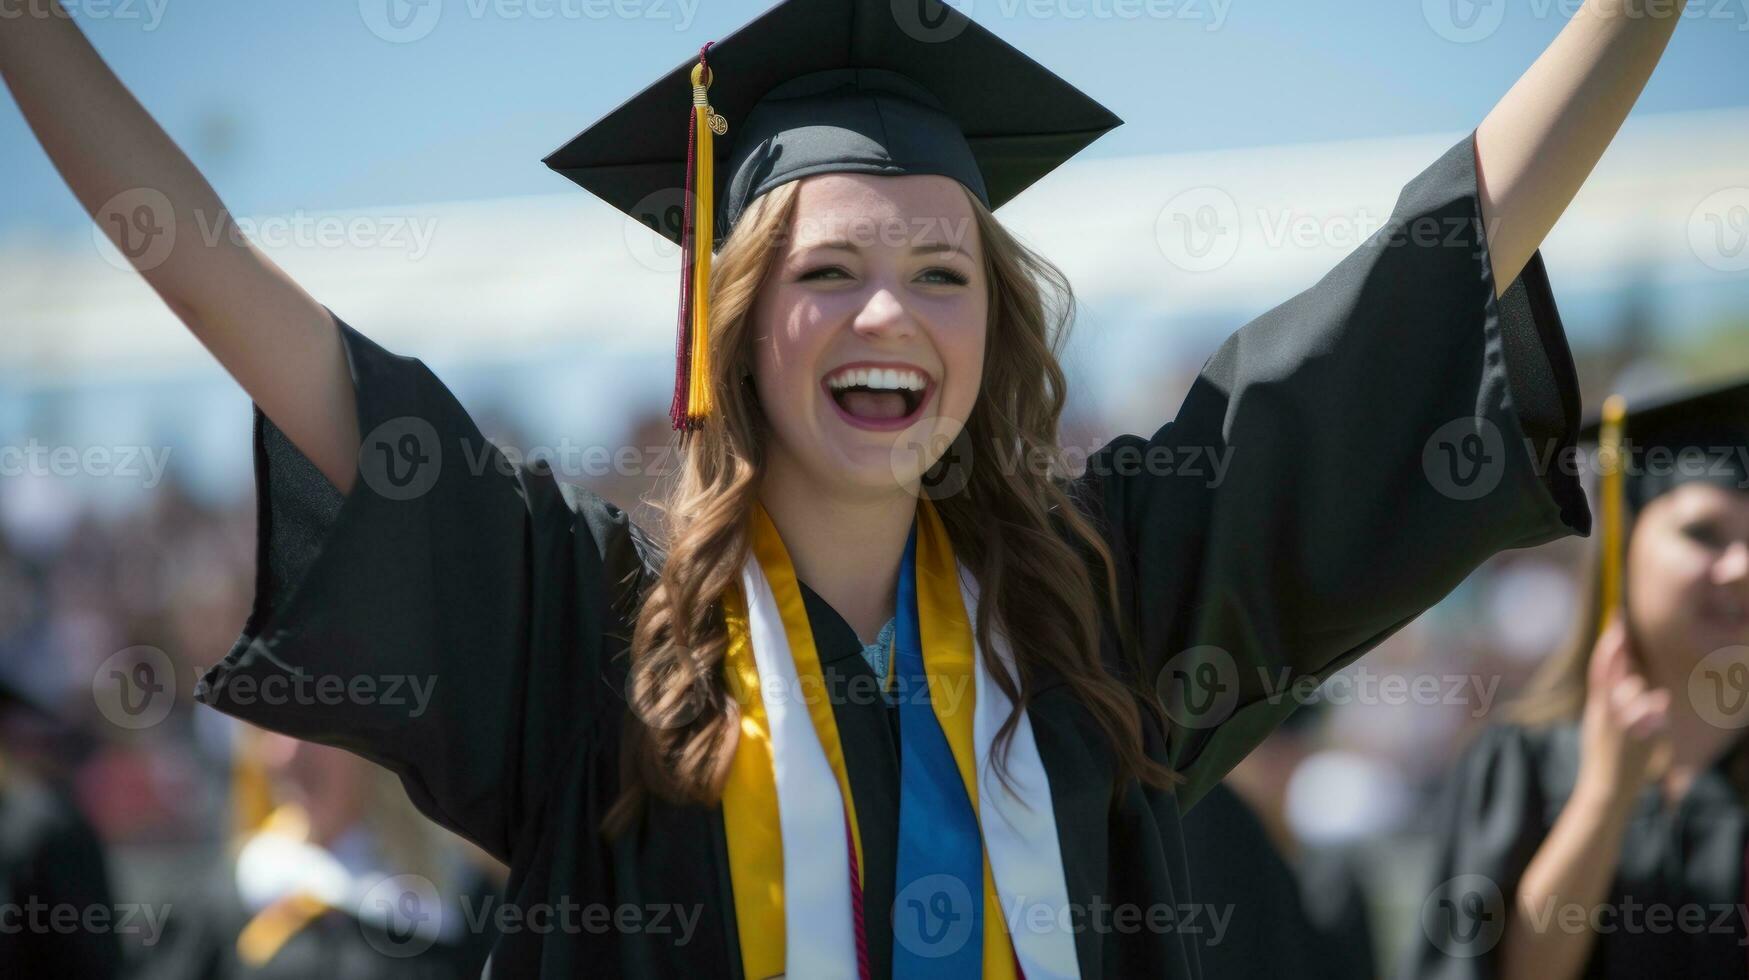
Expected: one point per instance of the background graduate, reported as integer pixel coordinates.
(1619, 792)
(625, 718)
(332, 874)
(51, 861)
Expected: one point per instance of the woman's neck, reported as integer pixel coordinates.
(847, 549)
(1695, 745)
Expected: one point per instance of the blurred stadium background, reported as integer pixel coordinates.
(550, 316)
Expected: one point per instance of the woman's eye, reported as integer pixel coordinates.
(950, 275)
(1704, 533)
(938, 275)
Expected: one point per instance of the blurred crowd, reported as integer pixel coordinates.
(90, 597)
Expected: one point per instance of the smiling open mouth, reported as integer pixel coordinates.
(875, 397)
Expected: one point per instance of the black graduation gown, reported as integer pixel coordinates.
(1256, 906)
(56, 915)
(1688, 860)
(513, 593)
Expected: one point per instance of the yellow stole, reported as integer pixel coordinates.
(750, 806)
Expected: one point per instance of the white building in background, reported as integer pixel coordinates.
(559, 312)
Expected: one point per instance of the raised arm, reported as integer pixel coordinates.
(1548, 131)
(278, 342)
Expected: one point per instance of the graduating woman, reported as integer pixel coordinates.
(692, 746)
(1603, 833)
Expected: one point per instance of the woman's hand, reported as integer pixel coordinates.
(1540, 142)
(1624, 731)
(1622, 735)
(159, 212)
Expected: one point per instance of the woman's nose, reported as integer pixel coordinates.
(1733, 565)
(884, 315)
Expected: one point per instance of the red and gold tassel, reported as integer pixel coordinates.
(692, 363)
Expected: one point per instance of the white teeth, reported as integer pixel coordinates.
(879, 379)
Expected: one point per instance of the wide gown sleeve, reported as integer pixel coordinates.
(1339, 465)
(442, 619)
(1492, 820)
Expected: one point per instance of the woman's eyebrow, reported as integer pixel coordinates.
(923, 249)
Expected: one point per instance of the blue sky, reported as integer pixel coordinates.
(299, 105)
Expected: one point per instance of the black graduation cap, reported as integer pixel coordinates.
(1650, 447)
(822, 86)
(1695, 434)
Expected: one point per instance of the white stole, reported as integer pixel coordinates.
(1019, 827)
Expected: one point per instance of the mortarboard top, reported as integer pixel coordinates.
(1651, 446)
(1667, 438)
(823, 86)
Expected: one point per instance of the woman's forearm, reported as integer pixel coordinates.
(105, 144)
(1542, 139)
(1573, 869)
(159, 212)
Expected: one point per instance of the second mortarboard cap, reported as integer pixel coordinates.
(1673, 439)
(822, 86)
(1651, 446)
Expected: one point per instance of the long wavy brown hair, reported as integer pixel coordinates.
(1014, 527)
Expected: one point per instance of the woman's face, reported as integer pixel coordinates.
(1688, 569)
(869, 329)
